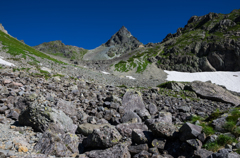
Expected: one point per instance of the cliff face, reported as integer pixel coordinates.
(207, 43)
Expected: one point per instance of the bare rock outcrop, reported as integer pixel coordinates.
(214, 92)
(2, 29)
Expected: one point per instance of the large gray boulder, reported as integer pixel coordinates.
(41, 117)
(134, 149)
(126, 128)
(202, 153)
(102, 138)
(214, 92)
(164, 117)
(67, 107)
(132, 101)
(189, 131)
(141, 137)
(129, 116)
(164, 130)
(224, 153)
(117, 151)
(219, 123)
(60, 145)
(87, 128)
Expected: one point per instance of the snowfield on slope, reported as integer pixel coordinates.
(3, 62)
(231, 80)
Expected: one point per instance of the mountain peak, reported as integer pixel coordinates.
(123, 28)
(2, 29)
(121, 37)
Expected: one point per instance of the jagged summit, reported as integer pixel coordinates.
(2, 29)
(121, 37)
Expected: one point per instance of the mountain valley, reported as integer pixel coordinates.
(114, 101)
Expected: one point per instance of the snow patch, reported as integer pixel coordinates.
(104, 72)
(3, 62)
(46, 69)
(228, 79)
(130, 77)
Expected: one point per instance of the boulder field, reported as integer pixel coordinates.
(68, 117)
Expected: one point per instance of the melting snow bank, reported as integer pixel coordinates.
(130, 77)
(228, 79)
(3, 62)
(104, 72)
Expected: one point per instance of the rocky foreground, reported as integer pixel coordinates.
(60, 116)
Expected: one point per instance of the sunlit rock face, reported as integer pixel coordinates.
(2, 29)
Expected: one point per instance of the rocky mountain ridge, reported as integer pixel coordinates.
(58, 48)
(206, 43)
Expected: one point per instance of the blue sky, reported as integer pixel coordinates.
(89, 23)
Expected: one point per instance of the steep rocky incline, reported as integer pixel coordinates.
(66, 117)
(207, 43)
(123, 41)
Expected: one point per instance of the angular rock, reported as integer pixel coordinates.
(3, 109)
(195, 143)
(88, 128)
(164, 130)
(189, 131)
(126, 128)
(135, 149)
(130, 116)
(41, 118)
(219, 123)
(176, 86)
(144, 154)
(224, 153)
(214, 92)
(202, 153)
(141, 137)
(132, 100)
(152, 109)
(60, 145)
(184, 109)
(164, 117)
(67, 107)
(6, 153)
(102, 138)
(117, 151)
(205, 65)
(159, 143)
(154, 151)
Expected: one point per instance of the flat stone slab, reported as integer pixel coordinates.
(214, 92)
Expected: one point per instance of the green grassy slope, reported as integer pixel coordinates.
(15, 47)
